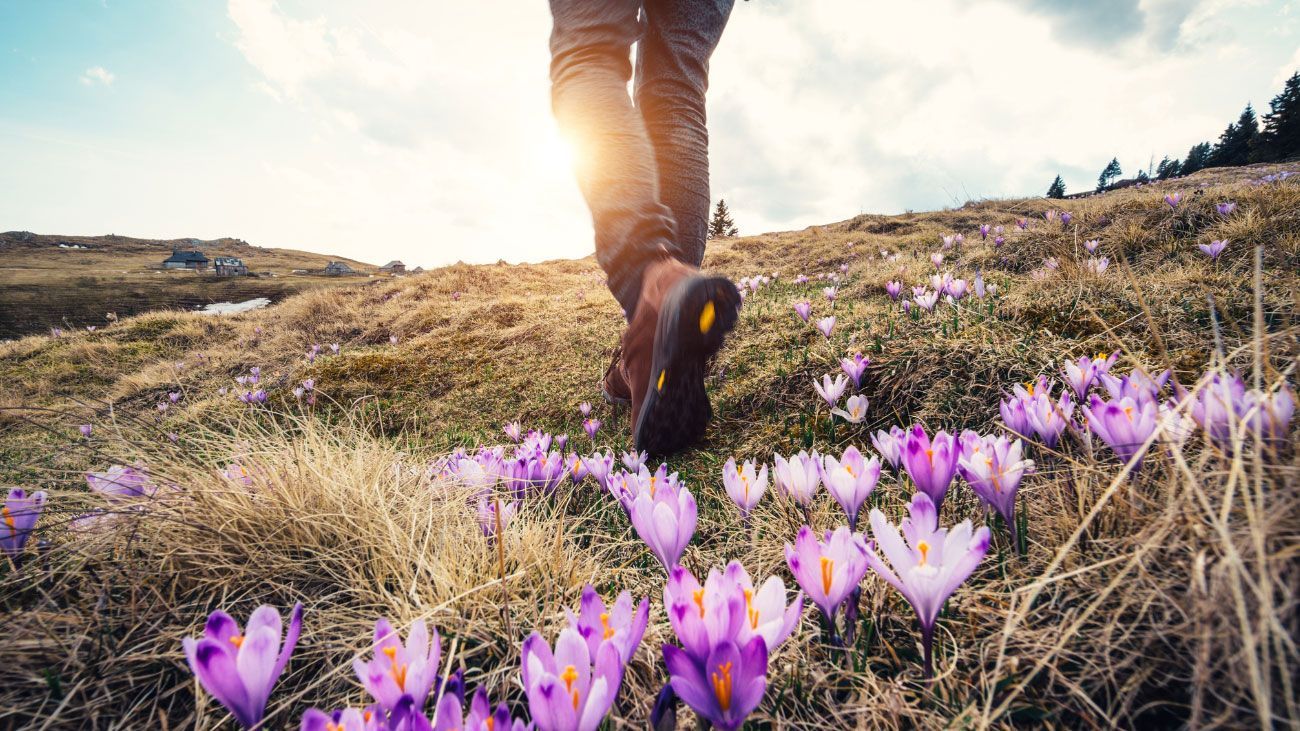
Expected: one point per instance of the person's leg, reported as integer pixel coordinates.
(591, 45)
(672, 76)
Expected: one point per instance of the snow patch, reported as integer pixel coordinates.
(228, 308)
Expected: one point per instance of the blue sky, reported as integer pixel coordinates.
(421, 130)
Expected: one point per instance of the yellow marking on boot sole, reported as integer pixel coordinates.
(707, 316)
(662, 375)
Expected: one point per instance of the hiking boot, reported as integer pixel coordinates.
(613, 387)
(679, 323)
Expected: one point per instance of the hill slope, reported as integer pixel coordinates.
(1161, 599)
(72, 281)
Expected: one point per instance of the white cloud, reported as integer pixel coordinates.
(98, 75)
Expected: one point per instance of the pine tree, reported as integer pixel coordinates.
(1197, 158)
(1280, 138)
(1142, 177)
(1057, 188)
(1108, 175)
(1236, 141)
(1168, 168)
(721, 226)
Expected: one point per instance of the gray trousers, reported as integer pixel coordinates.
(643, 168)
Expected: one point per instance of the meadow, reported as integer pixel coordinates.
(44, 285)
(366, 451)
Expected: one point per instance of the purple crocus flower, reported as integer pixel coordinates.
(121, 482)
(1091, 245)
(984, 231)
(1124, 425)
(999, 240)
(956, 288)
(745, 485)
(893, 288)
(727, 608)
(241, 669)
(1050, 215)
(598, 466)
(1081, 374)
(585, 409)
(1048, 418)
(799, 477)
(854, 411)
(931, 463)
(1214, 248)
(334, 348)
(513, 431)
(936, 259)
(561, 441)
(830, 293)
(726, 687)
(829, 390)
(1226, 209)
(481, 717)
(825, 325)
(1022, 223)
(634, 460)
(346, 719)
(1137, 385)
(487, 514)
(926, 563)
(18, 516)
(665, 521)
(803, 310)
(1224, 408)
(927, 301)
(569, 689)
(854, 367)
(1015, 417)
(1097, 265)
(174, 396)
(850, 480)
(889, 444)
(828, 571)
(620, 625)
(979, 285)
(907, 307)
(1066, 217)
(85, 430)
(575, 468)
(1173, 199)
(994, 471)
(398, 668)
(591, 426)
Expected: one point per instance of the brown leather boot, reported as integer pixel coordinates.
(614, 388)
(680, 321)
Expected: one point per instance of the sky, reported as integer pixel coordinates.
(421, 130)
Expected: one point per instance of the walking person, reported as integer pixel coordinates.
(643, 168)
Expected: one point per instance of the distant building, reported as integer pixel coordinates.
(339, 269)
(229, 266)
(417, 270)
(393, 267)
(186, 260)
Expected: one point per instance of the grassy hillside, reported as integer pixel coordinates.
(1160, 598)
(73, 281)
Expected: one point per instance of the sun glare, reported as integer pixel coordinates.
(556, 152)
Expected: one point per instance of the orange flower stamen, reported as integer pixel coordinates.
(722, 685)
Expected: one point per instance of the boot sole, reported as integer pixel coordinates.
(693, 322)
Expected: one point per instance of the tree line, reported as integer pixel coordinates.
(1244, 141)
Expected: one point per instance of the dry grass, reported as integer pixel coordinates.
(1161, 599)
